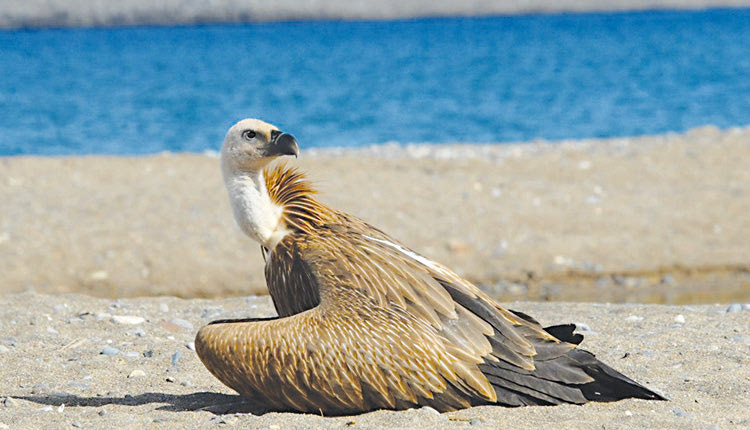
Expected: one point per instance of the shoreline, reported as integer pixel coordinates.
(19, 14)
(655, 219)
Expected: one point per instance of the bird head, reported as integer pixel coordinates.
(251, 144)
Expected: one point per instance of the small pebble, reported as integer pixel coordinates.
(211, 313)
(140, 332)
(41, 387)
(430, 410)
(680, 413)
(137, 373)
(680, 319)
(190, 346)
(667, 279)
(562, 260)
(734, 307)
(108, 350)
(628, 414)
(148, 354)
(475, 422)
(99, 275)
(176, 358)
(458, 246)
(169, 379)
(186, 383)
(127, 319)
(168, 325)
(76, 425)
(10, 402)
(583, 328)
(79, 385)
(593, 199)
(132, 354)
(102, 413)
(231, 419)
(187, 325)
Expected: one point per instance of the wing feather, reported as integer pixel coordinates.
(469, 329)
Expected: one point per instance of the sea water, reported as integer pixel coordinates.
(499, 79)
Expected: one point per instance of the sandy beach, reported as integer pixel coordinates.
(658, 219)
(83, 362)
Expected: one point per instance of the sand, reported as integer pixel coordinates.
(76, 13)
(649, 219)
(57, 374)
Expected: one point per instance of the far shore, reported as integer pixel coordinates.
(92, 13)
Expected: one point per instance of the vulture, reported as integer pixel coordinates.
(366, 323)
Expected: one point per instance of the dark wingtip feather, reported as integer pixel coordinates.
(565, 333)
(609, 385)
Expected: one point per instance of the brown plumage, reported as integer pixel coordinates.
(365, 323)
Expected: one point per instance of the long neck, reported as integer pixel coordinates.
(253, 209)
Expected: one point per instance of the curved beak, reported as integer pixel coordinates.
(283, 144)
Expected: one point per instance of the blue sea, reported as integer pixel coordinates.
(500, 79)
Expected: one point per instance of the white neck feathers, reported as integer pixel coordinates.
(253, 209)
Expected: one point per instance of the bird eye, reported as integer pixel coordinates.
(248, 134)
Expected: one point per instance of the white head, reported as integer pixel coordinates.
(248, 147)
(251, 144)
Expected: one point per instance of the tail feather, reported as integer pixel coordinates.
(609, 385)
(552, 392)
(558, 381)
(512, 394)
(576, 376)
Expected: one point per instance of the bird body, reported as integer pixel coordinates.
(366, 323)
